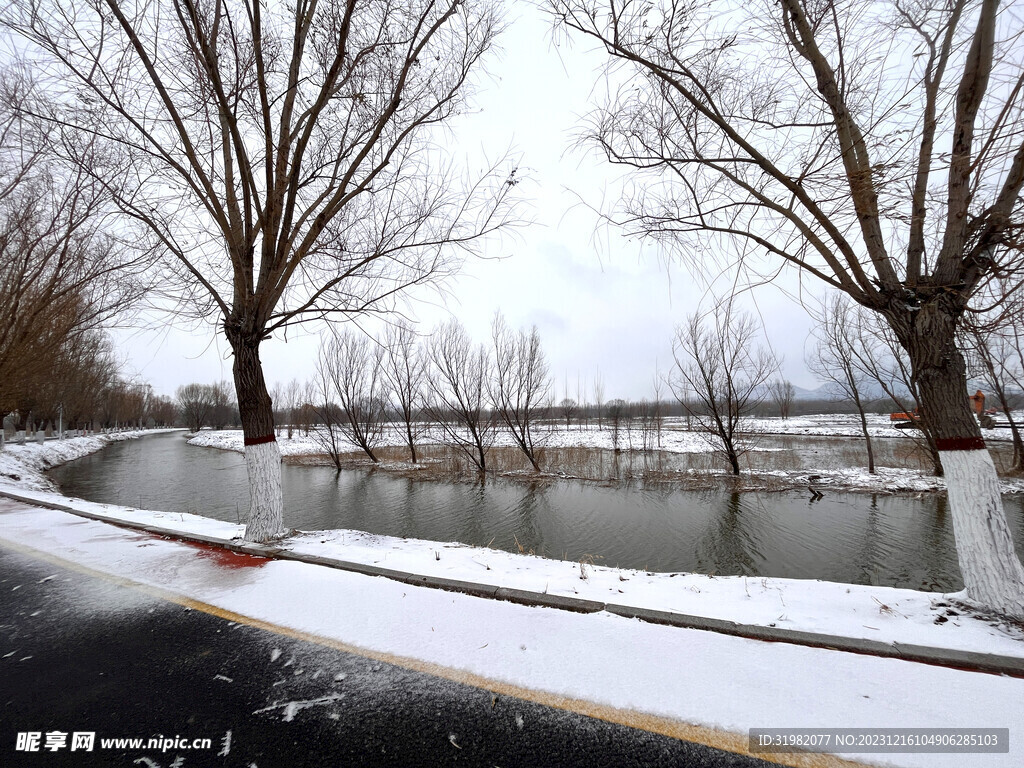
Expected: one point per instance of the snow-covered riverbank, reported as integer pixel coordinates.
(24, 466)
(675, 435)
(676, 439)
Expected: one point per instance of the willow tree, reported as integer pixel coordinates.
(873, 146)
(65, 270)
(287, 156)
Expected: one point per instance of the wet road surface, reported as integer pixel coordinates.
(87, 655)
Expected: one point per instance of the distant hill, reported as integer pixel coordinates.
(831, 391)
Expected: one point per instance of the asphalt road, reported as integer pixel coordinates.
(82, 654)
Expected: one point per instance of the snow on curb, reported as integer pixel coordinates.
(877, 614)
(23, 466)
(599, 660)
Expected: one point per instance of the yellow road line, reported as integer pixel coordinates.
(717, 739)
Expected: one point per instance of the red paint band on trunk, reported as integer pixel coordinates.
(960, 444)
(259, 440)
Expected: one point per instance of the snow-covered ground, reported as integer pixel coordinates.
(885, 480)
(23, 466)
(875, 613)
(848, 425)
(677, 439)
(688, 676)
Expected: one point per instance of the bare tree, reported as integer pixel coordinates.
(353, 371)
(878, 353)
(163, 411)
(992, 356)
(195, 402)
(618, 411)
(645, 410)
(568, 407)
(834, 360)
(716, 361)
(276, 394)
(83, 368)
(783, 394)
(292, 394)
(329, 417)
(404, 371)
(782, 131)
(284, 155)
(222, 404)
(599, 396)
(457, 379)
(658, 413)
(992, 341)
(65, 271)
(519, 383)
(305, 416)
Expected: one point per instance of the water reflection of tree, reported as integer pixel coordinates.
(472, 530)
(729, 545)
(940, 570)
(525, 517)
(413, 498)
(921, 557)
(352, 503)
(868, 561)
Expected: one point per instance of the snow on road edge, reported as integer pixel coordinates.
(691, 676)
(883, 614)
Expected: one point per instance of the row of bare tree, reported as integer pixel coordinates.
(202, 405)
(85, 390)
(66, 272)
(467, 390)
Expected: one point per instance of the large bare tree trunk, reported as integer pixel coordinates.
(992, 572)
(262, 455)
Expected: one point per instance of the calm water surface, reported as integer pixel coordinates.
(857, 538)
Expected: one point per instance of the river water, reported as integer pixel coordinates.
(900, 541)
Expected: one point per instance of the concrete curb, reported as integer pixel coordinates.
(944, 657)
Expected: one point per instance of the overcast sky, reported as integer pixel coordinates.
(599, 303)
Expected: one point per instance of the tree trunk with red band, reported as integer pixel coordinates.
(992, 572)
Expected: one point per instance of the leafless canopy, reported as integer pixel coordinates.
(720, 376)
(282, 153)
(457, 379)
(994, 343)
(195, 404)
(804, 131)
(835, 360)
(351, 367)
(520, 383)
(65, 270)
(783, 393)
(404, 372)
